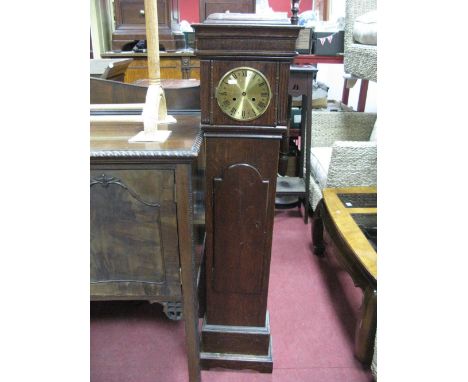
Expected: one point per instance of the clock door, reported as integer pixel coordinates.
(269, 71)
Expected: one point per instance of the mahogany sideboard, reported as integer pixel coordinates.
(147, 220)
(174, 65)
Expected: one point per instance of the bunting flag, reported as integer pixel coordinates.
(329, 38)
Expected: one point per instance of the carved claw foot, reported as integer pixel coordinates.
(173, 310)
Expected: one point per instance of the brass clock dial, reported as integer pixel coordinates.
(243, 93)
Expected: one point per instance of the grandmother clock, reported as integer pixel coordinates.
(244, 73)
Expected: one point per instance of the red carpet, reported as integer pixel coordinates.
(313, 308)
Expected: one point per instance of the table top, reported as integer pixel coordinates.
(110, 140)
(343, 209)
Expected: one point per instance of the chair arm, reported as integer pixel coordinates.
(353, 164)
(328, 127)
(361, 61)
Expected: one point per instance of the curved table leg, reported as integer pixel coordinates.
(366, 326)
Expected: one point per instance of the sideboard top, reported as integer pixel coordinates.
(110, 140)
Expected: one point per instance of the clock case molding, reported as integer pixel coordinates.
(269, 49)
(241, 172)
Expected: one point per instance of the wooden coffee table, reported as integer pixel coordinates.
(350, 217)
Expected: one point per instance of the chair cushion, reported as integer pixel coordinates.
(319, 163)
(365, 29)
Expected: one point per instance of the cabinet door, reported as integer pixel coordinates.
(132, 12)
(134, 244)
(240, 190)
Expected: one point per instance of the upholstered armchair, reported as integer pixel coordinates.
(343, 152)
(360, 60)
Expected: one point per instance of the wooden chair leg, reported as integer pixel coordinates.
(345, 94)
(363, 95)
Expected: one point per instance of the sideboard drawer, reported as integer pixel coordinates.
(178, 67)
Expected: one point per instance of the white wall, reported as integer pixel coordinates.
(336, 9)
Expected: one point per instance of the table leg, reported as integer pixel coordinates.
(366, 326)
(317, 230)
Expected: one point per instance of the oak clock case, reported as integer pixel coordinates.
(244, 70)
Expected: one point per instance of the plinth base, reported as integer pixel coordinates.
(237, 347)
(263, 364)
